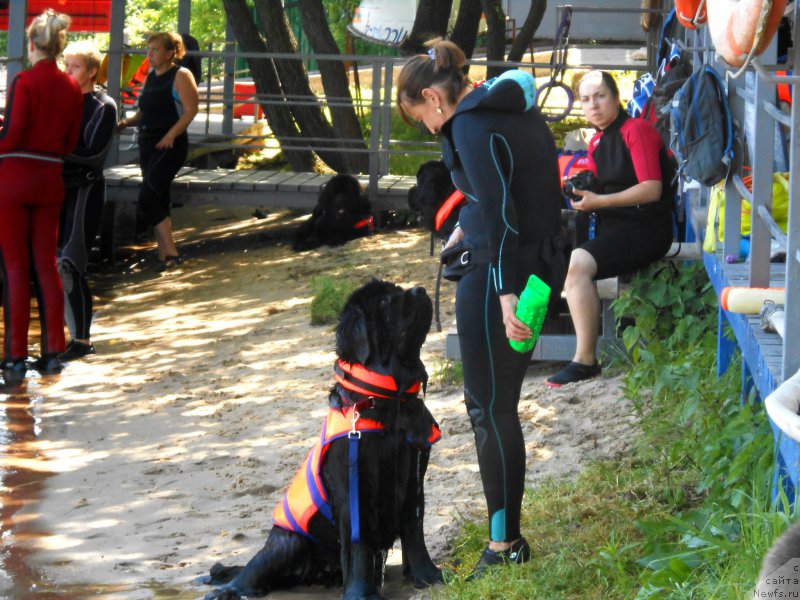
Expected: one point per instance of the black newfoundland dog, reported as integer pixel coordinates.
(362, 486)
(434, 188)
(342, 214)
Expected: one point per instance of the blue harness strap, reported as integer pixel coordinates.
(355, 519)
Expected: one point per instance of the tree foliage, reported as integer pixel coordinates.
(262, 26)
(144, 16)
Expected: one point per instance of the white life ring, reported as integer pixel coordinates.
(743, 28)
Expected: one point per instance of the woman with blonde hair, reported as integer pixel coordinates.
(502, 156)
(42, 122)
(167, 105)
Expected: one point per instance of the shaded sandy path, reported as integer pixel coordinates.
(172, 445)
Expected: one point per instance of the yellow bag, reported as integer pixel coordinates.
(715, 227)
(716, 207)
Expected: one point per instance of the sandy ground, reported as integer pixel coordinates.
(171, 446)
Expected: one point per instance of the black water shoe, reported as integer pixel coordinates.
(572, 373)
(14, 371)
(48, 364)
(76, 349)
(518, 553)
(169, 263)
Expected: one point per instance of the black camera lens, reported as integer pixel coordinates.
(568, 189)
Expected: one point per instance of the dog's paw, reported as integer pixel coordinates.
(361, 596)
(425, 577)
(218, 575)
(223, 593)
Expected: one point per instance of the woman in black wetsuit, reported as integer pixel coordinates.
(631, 211)
(167, 104)
(501, 155)
(84, 195)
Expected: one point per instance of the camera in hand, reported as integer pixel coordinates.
(585, 180)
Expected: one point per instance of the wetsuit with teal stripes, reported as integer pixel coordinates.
(501, 154)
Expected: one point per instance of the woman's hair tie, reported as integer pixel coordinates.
(432, 53)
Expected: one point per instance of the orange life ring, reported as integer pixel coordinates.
(734, 27)
(691, 13)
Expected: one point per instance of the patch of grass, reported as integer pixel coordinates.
(447, 373)
(329, 299)
(568, 524)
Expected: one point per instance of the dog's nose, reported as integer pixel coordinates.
(418, 290)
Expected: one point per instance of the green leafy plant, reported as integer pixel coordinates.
(447, 373)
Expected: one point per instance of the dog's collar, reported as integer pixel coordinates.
(368, 222)
(446, 208)
(361, 380)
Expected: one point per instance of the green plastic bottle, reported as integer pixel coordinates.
(531, 310)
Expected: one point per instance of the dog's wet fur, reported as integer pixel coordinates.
(342, 204)
(383, 328)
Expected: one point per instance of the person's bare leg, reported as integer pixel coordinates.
(165, 239)
(584, 305)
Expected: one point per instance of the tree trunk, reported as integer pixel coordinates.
(529, 28)
(336, 85)
(294, 84)
(496, 35)
(266, 79)
(468, 20)
(430, 22)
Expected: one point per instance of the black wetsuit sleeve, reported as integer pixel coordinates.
(97, 133)
(487, 162)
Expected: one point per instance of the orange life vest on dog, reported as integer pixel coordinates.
(306, 494)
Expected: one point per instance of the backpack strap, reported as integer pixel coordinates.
(728, 152)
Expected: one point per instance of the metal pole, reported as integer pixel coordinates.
(17, 10)
(791, 341)
(374, 131)
(114, 73)
(184, 16)
(229, 66)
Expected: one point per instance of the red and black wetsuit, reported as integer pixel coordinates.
(627, 152)
(42, 123)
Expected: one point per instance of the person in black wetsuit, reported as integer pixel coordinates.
(167, 104)
(631, 212)
(85, 195)
(502, 156)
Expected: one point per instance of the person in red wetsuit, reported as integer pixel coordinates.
(42, 124)
(630, 212)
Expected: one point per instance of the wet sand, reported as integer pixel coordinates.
(167, 451)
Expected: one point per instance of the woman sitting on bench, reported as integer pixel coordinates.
(628, 216)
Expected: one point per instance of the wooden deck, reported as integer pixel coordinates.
(762, 352)
(286, 189)
(762, 359)
(258, 188)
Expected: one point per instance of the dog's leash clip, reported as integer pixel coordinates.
(355, 432)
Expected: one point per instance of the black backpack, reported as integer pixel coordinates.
(702, 131)
(192, 62)
(657, 109)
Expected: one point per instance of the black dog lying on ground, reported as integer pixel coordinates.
(323, 533)
(434, 187)
(342, 214)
